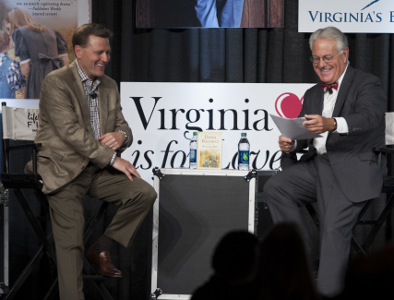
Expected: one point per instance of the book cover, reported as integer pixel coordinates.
(209, 150)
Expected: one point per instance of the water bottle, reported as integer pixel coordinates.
(243, 153)
(193, 152)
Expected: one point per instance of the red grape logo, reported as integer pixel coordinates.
(288, 105)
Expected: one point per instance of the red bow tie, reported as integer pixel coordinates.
(329, 87)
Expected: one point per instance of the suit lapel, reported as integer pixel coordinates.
(81, 98)
(316, 108)
(320, 103)
(343, 91)
(103, 103)
(317, 103)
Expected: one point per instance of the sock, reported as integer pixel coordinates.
(104, 243)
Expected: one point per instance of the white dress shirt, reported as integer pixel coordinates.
(328, 108)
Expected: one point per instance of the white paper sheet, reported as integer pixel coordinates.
(293, 128)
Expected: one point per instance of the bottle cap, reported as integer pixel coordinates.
(243, 134)
(194, 133)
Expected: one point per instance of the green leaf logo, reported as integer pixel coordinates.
(245, 156)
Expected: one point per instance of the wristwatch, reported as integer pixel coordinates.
(335, 124)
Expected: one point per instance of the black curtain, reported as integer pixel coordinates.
(227, 55)
(193, 55)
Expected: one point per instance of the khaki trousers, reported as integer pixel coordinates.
(134, 198)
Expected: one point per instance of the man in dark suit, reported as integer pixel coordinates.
(81, 127)
(340, 170)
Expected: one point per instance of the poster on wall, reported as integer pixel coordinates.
(35, 39)
(163, 117)
(351, 16)
(209, 14)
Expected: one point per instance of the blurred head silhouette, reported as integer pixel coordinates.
(283, 269)
(235, 257)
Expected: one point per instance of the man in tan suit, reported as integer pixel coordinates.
(81, 128)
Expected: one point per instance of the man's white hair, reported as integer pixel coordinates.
(330, 33)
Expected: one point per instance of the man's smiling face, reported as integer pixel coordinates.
(329, 72)
(94, 58)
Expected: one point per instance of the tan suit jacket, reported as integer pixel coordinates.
(64, 127)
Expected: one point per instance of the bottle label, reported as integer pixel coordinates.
(193, 157)
(243, 157)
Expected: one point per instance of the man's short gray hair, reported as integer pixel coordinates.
(330, 33)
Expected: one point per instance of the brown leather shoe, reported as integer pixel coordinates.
(103, 263)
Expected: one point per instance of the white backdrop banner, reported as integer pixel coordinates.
(369, 16)
(163, 117)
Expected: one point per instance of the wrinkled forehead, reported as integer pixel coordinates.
(328, 46)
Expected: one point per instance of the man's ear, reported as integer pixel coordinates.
(346, 53)
(78, 51)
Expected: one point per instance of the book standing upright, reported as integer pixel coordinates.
(209, 150)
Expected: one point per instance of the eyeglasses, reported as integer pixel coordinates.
(326, 58)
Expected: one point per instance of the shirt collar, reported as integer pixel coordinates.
(84, 77)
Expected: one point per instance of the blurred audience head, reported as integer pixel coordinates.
(284, 272)
(235, 257)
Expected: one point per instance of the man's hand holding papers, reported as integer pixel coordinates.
(318, 124)
(295, 129)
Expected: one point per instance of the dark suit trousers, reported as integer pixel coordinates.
(134, 198)
(307, 182)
